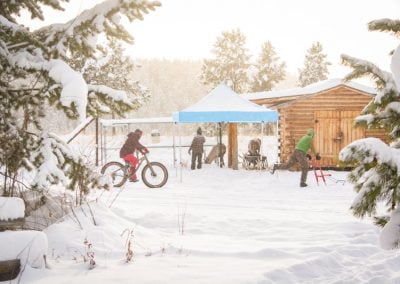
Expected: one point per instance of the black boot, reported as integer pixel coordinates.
(303, 184)
(274, 168)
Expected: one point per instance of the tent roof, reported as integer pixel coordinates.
(224, 105)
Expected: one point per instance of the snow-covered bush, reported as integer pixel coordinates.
(377, 172)
(34, 74)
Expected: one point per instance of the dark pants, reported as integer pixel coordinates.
(297, 157)
(198, 157)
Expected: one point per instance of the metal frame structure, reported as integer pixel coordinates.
(104, 123)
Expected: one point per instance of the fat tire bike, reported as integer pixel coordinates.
(154, 174)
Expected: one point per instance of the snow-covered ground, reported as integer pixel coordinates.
(221, 226)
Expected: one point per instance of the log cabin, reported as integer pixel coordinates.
(329, 107)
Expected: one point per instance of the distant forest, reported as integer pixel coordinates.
(175, 84)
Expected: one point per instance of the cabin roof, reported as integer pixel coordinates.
(309, 90)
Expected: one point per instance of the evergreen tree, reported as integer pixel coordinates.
(270, 70)
(230, 64)
(114, 70)
(315, 66)
(34, 74)
(377, 173)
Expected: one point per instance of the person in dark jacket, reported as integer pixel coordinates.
(300, 156)
(197, 149)
(127, 151)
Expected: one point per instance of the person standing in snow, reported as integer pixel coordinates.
(197, 149)
(300, 156)
(127, 151)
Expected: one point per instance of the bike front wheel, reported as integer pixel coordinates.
(115, 171)
(155, 175)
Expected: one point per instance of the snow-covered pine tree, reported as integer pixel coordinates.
(34, 74)
(270, 69)
(377, 173)
(230, 64)
(315, 66)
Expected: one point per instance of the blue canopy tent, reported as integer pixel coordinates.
(223, 105)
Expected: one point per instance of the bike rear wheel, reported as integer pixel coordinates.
(155, 175)
(116, 172)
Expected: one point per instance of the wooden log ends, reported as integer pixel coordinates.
(9, 269)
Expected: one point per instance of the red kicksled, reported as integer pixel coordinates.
(318, 172)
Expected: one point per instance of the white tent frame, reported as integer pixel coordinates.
(104, 123)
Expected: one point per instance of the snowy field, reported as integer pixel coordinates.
(221, 226)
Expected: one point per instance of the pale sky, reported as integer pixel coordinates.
(187, 29)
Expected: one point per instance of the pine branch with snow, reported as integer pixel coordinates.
(385, 25)
(55, 163)
(80, 34)
(376, 175)
(111, 89)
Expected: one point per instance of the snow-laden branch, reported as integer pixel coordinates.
(50, 157)
(383, 79)
(367, 181)
(395, 67)
(74, 88)
(102, 18)
(388, 113)
(7, 26)
(115, 95)
(378, 166)
(385, 25)
(5, 23)
(367, 150)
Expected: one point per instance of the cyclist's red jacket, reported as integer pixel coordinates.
(131, 144)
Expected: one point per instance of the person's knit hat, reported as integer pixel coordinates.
(138, 132)
(199, 131)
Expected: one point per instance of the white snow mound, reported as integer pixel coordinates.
(28, 246)
(11, 208)
(389, 237)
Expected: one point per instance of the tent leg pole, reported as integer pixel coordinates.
(97, 141)
(105, 146)
(101, 145)
(261, 146)
(174, 144)
(180, 152)
(221, 158)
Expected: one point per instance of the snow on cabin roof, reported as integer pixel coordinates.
(308, 90)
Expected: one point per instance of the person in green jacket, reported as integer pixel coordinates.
(300, 156)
